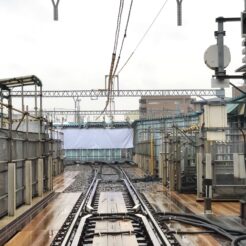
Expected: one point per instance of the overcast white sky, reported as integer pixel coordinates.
(75, 52)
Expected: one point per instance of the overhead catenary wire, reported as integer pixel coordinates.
(124, 37)
(110, 77)
(114, 67)
(143, 37)
(117, 33)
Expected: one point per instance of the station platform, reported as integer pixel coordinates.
(53, 214)
(42, 229)
(60, 183)
(8, 219)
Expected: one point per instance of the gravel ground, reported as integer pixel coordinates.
(82, 180)
(107, 187)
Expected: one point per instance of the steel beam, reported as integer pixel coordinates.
(99, 112)
(94, 94)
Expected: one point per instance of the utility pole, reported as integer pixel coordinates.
(179, 12)
(77, 109)
(55, 5)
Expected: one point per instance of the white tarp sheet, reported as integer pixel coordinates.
(98, 138)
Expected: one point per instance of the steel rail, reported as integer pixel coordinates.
(80, 229)
(89, 208)
(71, 228)
(94, 94)
(148, 226)
(152, 236)
(157, 228)
(152, 229)
(133, 195)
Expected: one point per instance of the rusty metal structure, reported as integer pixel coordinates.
(30, 148)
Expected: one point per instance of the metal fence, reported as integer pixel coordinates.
(172, 148)
(227, 182)
(25, 146)
(98, 154)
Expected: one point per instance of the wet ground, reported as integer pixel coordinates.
(43, 228)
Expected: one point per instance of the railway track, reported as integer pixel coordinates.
(112, 212)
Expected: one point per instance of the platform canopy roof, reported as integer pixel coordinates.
(7, 84)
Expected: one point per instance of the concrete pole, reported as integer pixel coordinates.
(50, 173)
(209, 172)
(179, 12)
(208, 166)
(11, 189)
(199, 169)
(59, 165)
(40, 175)
(55, 5)
(55, 169)
(28, 182)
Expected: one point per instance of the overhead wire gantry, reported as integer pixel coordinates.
(94, 94)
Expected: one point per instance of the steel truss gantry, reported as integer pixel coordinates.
(90, 112)
(94, 94)
(99, 112)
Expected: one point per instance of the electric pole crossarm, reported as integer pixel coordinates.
(230, 19)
